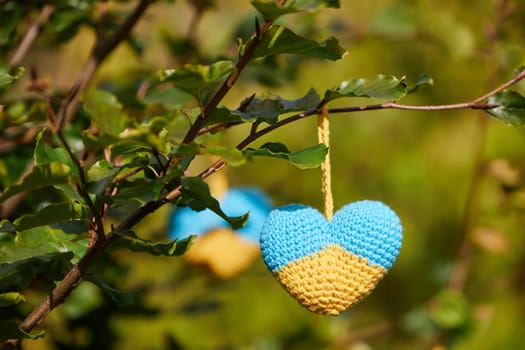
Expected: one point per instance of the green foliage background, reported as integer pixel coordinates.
(420, 163)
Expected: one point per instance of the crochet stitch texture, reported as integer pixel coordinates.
(330, 266)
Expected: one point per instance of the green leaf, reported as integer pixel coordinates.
(41, 176)
(422, 81)
(7, 226)
(310, 157)
(106, 112)
(265, 109)
(54, 213)
(6, 78)
(384, 87)
(270, 10)
(21, 273)
(140, 190)
(132, 242)
(10, 298)
(200, 81)
(232, 155)
(9, 330)
(511, 107)
(45, 154)
(281, 40)
(196, 194)
(450, 310)
(121, 298)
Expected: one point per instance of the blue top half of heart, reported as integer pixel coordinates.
(368, 229)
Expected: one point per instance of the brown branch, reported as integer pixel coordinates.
(193, 132)
(102, 48)
(31, 35)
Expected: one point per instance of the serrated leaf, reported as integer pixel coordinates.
(131, 241)
(200, 81)
(270, 10)
(9, 330)
(511, 107)
(310, 157)
(40, 176)
(11, 298)
(281, 40)
(384, 87)
(196, 194)
(105, 112)
(54, 213)
(6, 78)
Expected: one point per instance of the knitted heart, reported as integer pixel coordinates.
(329, 266)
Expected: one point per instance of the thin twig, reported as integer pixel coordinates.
(102, 48)
(31, 35)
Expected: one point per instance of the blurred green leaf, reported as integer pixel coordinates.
(106, 112)
(422, 81)
(121, 298)
(10, 298)
(85, 298)
(7, 226)
(52, 214)
(41, 176)
(310, 157)
(450, 310)
(281, 40)
(384, 87)
(271, 10)
(6, 78)
(511, 107)
(9, 330)
(196, 194)
(131, 241)
(200, 81)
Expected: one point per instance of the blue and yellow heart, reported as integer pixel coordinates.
(329, 266)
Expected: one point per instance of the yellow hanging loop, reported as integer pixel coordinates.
(323, 134)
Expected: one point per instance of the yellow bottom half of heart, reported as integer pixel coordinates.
(330, 281)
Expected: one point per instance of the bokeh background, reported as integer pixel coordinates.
(455, 178)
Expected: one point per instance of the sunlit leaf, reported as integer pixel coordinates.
(9, 330)
(45, 154)
(281, 40)
(131, 241)
(11, 298)
(310, 157)
(384, 87)
(54, 213)
(511, 107)
(196, 194)
(200, 81)
(272, 10)
(105, 112)
(40, 176)
(6, 78)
